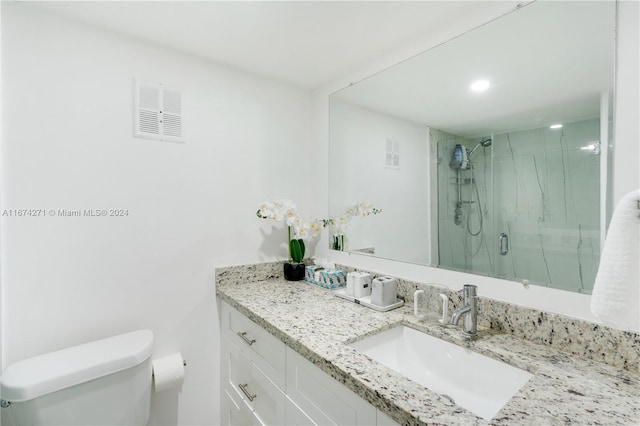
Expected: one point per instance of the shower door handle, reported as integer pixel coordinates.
(504, 244)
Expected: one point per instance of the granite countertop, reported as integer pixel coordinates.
(564, 389)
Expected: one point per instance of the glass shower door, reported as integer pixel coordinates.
(546, 205)
(464, 205)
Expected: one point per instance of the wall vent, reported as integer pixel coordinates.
(157, 112)
(392, 154)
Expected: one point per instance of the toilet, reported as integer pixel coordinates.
(106, 382)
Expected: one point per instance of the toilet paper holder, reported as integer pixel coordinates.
(168, 372)
(184, 364)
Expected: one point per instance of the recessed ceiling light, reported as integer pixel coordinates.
(480, 85)
(556, 126)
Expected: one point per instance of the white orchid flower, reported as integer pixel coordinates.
(341, 223)
(283, 210)
(315, 228)
(291, 216)
(302, 231)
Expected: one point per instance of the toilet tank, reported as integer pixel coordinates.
(106, 382)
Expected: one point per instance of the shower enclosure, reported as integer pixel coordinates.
(522, 205)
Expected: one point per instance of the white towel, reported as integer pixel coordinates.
(616, 292)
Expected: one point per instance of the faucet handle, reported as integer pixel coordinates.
(445, 309)
(416, 299)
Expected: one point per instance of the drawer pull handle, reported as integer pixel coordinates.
(243, 336)
(244, 390)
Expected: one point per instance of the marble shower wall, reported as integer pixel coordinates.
(458, 249)
(541, 188)
(547, 199)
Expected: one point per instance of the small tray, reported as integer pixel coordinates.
(366, 301)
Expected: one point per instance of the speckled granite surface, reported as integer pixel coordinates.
(582, 338)
(565, 389)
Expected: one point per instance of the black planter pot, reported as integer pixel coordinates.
(294, 271)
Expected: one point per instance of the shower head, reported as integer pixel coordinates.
(483, 143)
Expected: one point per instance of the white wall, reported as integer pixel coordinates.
(625, 163)
(67, 144)
(626, 154)
(358, 173)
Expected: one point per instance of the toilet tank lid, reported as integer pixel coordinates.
(43, 374)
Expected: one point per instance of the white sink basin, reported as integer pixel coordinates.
(478, 383)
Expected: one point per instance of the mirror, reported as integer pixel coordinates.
(505, 180)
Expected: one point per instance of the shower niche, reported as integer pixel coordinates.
(510, 182)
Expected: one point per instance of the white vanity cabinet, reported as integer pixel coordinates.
(322, 398)
(252, 373)
(264, 382)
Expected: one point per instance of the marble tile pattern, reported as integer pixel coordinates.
(565, 389)
(539, 188)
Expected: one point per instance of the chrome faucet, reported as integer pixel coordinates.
(469, 311)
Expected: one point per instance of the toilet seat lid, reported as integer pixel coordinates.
(43, 374)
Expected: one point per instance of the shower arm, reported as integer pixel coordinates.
(485, 143)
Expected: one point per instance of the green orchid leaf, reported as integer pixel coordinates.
(295, 251)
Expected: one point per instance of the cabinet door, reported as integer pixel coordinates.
(384, 420)
(232, 415)
(268, 400)
(294, 416)
(323, 399)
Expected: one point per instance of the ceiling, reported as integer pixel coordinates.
(304, 43)
(547, 62)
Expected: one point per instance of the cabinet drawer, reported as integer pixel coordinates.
(250, 389)
(323, 399)
(235, 371)
(267, 352)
